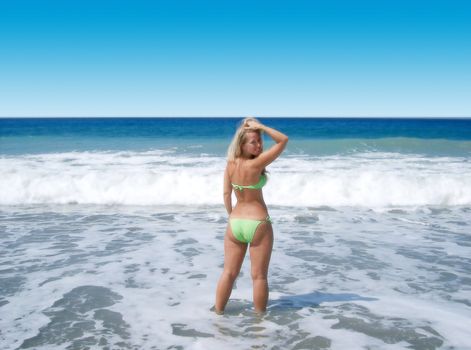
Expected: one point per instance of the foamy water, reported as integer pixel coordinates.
(143, 277)
(158, 177)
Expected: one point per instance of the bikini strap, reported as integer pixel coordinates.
(238, 187)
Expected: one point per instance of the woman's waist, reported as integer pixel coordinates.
(250, 210)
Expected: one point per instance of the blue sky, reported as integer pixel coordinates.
(233, 58)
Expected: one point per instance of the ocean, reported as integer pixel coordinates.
(111, 235)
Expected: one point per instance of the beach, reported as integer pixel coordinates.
(112, 235)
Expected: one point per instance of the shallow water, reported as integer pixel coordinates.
(143, 277)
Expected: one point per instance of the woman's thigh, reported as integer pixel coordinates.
(234, 252)
(260, 249)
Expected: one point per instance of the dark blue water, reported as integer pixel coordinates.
(310, 128)
(308, 136)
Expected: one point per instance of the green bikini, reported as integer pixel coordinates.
(257, 186)
(244, 229)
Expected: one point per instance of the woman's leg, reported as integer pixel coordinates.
(234, 252)
(260, 253)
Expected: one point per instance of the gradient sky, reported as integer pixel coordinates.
(234, 58)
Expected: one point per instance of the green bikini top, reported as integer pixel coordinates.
(257, 186)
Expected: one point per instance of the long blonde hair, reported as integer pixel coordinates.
(235, 148)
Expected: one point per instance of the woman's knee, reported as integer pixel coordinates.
(230, 274)
(258, 275)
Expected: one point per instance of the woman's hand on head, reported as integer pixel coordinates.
(252, 124)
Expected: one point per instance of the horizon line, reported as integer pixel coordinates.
(239, 116)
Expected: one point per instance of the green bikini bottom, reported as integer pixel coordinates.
(244, 229)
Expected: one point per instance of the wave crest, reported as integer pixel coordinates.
(163, 178)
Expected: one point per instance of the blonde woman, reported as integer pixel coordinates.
(249, 222)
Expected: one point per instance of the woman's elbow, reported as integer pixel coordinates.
(284, 141)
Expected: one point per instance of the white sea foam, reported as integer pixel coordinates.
(371, 180)
(353, 279)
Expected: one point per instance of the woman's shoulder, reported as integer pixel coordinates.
(230, 164)
(230, 167)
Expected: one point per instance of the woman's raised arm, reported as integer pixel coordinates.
(274, 151)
